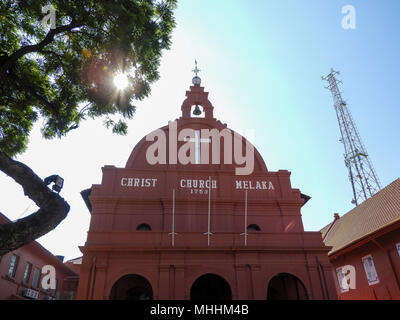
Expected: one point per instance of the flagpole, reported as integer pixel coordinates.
(173, 218)
(245, 221)
(208, 233)
(209, 210)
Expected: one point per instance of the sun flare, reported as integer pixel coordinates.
(121, 81)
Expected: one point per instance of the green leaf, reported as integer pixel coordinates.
(78, 64)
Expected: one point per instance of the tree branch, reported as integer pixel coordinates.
(10, 60)
(53, 208)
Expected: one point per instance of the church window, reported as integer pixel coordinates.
(370, 270)
(398, 248)
(143, 227)
(253, 227)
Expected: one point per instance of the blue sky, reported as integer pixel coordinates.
(262, 63)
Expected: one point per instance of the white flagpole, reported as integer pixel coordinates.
(208, 233)
(245, 221)
(173, 218)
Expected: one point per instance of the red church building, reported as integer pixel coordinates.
(195, 214)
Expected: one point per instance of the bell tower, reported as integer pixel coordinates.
(196, 96)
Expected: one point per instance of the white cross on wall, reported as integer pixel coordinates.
(197, 140)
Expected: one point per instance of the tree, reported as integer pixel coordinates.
(64, 73)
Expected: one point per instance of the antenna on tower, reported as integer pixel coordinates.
(363, 178)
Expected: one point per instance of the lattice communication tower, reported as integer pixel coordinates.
(363, 178)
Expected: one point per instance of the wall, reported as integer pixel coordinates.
(387, 264)
(34, 253)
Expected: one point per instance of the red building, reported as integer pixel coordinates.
(21, 274)
(366, 247)
(162, 228)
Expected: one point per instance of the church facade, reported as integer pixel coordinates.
(195, 214)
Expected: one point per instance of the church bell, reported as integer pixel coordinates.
(197, 111)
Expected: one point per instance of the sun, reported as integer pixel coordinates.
(121, 81)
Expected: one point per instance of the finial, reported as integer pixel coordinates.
(196, 79)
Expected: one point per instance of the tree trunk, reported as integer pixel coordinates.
(53, 208)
